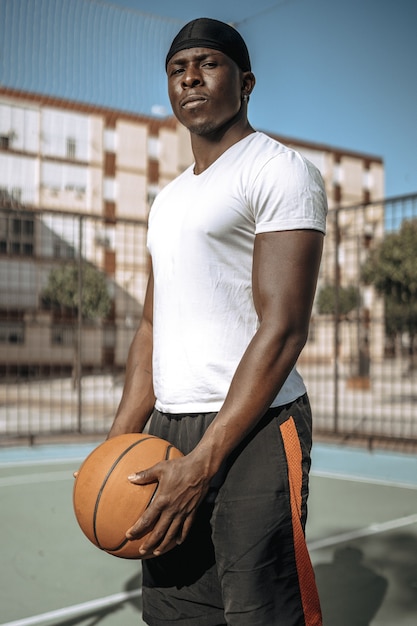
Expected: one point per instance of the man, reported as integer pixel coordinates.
(235, 243)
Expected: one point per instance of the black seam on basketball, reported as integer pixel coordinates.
(153, 495)
(125, 541)
(106, 478)
(168, 451)
(122, 545)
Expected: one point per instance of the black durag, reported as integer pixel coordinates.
(205, 32)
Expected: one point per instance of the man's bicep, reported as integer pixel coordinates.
(285, 271)
(147, 313)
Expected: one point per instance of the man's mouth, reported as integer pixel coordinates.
(190, 102)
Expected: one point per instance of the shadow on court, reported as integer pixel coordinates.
(351, 593)
(132, 585)
(379, 587)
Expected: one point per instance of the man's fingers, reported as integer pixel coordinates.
(164, 537)
(188, 522)
(145, 477)
(144, 525)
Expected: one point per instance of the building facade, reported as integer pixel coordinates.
(60, 160)
(354, 184)
(78, 181)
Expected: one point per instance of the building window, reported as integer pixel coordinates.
(71, 148)
(62, 335)
(109, 189)
(4, 142)
(17, 234)
(62, 250)
(154, 148)
(368, 182)
(153, 190)
(110, 140)
(337, 174)
(16, 194)
(12, 332)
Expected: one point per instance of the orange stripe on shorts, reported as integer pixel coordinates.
(309, 596)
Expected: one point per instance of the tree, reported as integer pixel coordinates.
(345, 300)
(62, 291)
(392, 269)
(349, 299)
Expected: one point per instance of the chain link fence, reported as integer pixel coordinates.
(62, 362)
(360, 360)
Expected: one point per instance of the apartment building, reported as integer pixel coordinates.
(354, 184)
(60, 160)
(78, 179)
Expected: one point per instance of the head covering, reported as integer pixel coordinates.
(208, 33)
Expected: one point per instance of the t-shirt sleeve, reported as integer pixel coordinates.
(288, 194)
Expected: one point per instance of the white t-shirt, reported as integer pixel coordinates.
(201, 236)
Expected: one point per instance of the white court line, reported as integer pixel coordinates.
(85, 607)
(76, 609)
(51, 461)
(373, 529)
(362, 479)
(39, 477)
(44, 477)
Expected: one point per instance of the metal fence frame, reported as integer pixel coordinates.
(54, 397)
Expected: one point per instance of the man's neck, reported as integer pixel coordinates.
(207, 149)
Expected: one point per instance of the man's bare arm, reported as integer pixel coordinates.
(286, 266)
(138, 396)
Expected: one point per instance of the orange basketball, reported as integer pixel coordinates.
(106, 503)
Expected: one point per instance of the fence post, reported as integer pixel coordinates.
(336, 323)
(79, 325)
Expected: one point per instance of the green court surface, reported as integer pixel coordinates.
(362, 535)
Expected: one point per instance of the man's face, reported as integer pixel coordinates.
(205, 89)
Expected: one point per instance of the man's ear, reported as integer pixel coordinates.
(248, 83)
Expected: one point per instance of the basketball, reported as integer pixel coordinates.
(106, 503)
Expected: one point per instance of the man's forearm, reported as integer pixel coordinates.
(138, 397)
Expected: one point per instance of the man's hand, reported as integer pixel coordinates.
(183, 484)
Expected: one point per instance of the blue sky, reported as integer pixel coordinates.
(339, 72)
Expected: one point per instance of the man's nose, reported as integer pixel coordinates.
(192, 77)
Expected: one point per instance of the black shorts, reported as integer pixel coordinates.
(245, 561)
